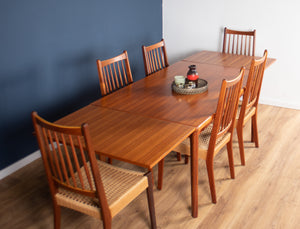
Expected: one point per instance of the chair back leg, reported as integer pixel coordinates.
(254, 135)
(239, 130)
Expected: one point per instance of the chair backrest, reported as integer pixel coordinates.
(114, 73)
(155, 57)
(70, 161)
(253, 86)
(239, 42)
(226, 109)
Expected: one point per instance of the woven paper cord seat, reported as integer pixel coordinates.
(121, 187)
(204, 138)
(248, 114)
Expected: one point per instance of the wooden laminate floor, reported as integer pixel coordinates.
(265, 193)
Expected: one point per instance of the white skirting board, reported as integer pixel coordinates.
(19, 164)
(279, 103)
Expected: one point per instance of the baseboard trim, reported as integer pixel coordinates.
(279, 103)
(19, 164)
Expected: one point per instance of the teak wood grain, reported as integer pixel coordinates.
(225, 59)
(153, 95)
(127, 137)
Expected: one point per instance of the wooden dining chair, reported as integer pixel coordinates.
(248, 108)
(239, 42)
(218, 130)
(114, 73)
(79, 181)
(155, 57)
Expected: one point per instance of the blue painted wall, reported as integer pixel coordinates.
(48, 52)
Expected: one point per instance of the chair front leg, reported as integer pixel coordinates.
(57, 215)
(186, 159)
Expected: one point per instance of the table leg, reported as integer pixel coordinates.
(160, 174)
(194, 173)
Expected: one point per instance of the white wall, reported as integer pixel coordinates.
(193, 25)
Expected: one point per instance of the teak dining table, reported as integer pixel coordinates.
(154, 116)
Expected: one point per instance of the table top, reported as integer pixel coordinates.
(224, 59)
(153, 95)
(135, 139)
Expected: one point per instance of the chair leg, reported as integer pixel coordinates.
(109, 160)
(178, 156)
(186, 159)
(57, 215)
(151, 201)
(160, 174)
(230, 159)
(239, 131)
(211, 179)
(254, 130)
(107, 223)
(102, 158)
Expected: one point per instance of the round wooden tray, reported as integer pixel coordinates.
(201, 87)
